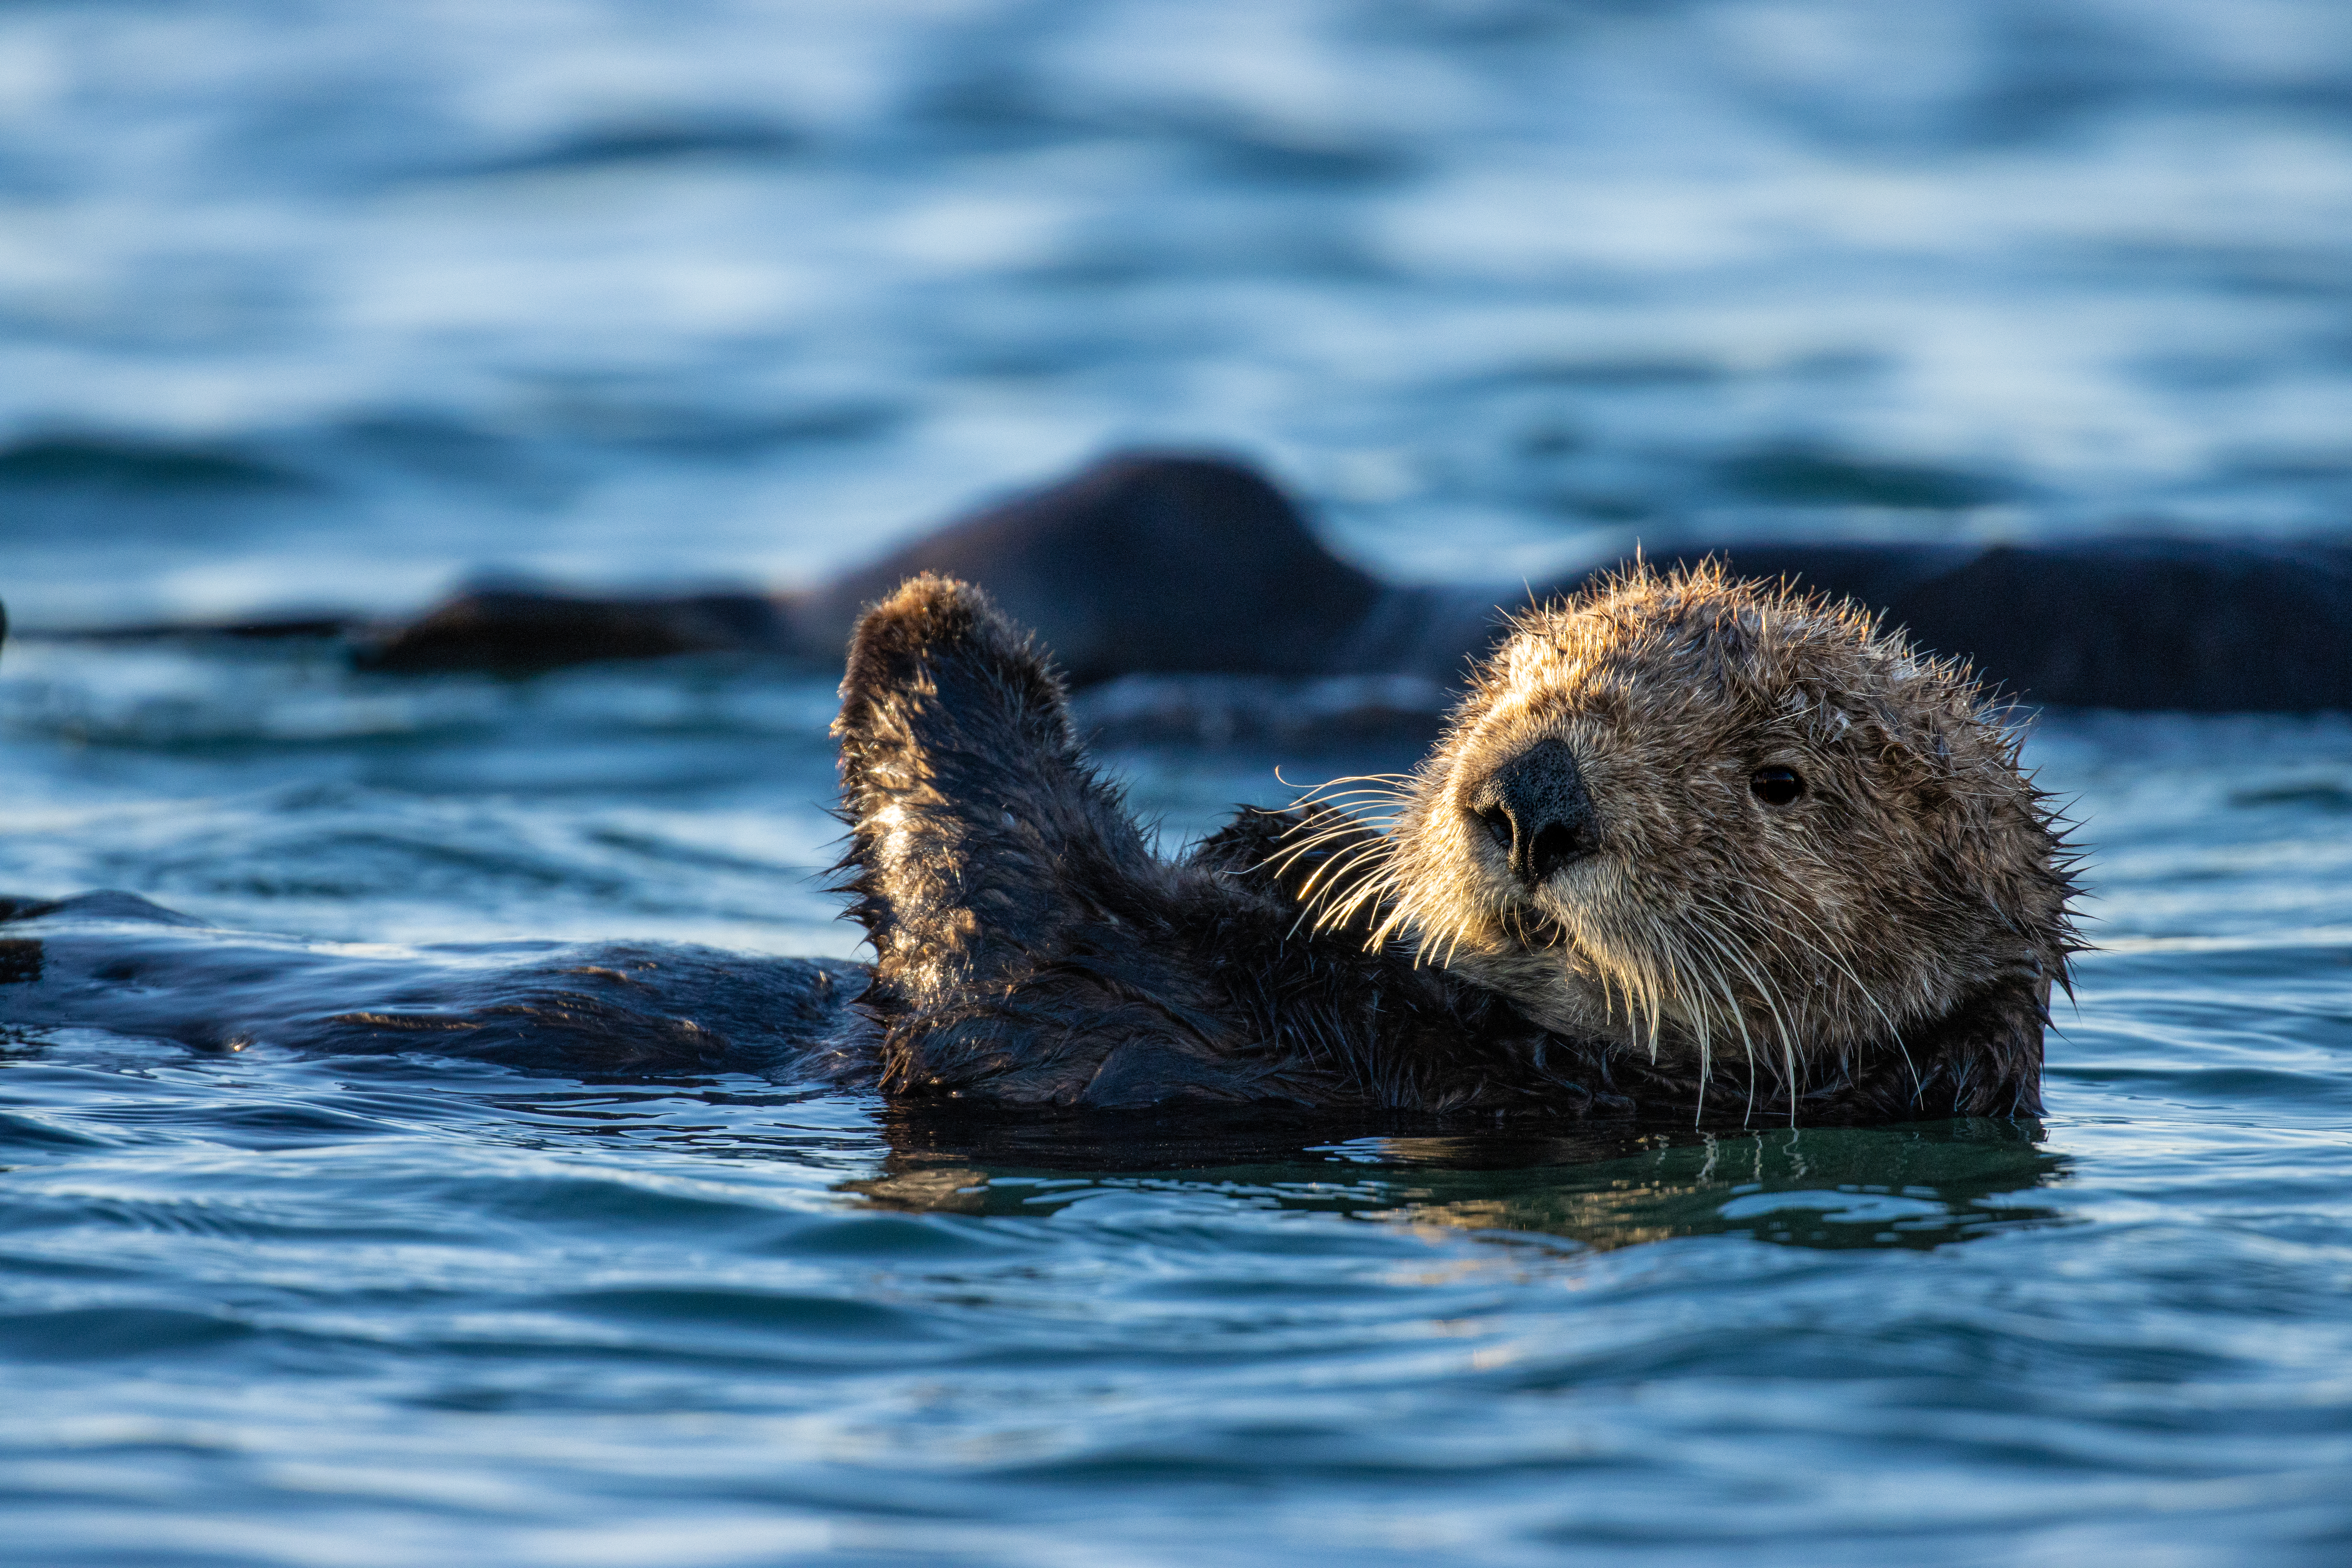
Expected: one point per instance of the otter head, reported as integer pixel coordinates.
(1698, 816)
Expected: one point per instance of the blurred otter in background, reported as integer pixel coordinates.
(1169, 564)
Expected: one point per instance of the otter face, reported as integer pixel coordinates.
(1691, 815)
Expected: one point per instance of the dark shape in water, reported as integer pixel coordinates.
(2319, 794)
(1161, 565)
(131, 463)
(117, 962)
(649, 141)
(1164, 565)
(521, 632)
(1143, 563)
(1805, 476)
(20, 961)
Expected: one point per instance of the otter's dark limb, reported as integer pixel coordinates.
(1014, 910)
(1030, 949)
(116, 964)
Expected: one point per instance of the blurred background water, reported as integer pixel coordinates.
(336, 306)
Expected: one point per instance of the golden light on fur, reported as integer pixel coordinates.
(1804, 838)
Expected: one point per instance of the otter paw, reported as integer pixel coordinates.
(941, 641)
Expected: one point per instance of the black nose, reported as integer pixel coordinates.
(1536, 806)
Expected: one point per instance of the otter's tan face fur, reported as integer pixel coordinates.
(1699, 816)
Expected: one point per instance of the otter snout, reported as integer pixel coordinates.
(1537, 808)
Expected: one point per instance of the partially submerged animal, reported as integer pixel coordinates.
(1691, 846)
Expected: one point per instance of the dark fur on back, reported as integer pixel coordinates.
(1031, 949)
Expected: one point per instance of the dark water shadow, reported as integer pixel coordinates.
(1915, 1186)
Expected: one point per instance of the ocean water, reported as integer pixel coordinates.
(311, 306)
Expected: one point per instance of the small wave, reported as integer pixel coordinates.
(2321, 795)
(647, 142)
(117, 1332)
(128, 463)
(2331, 940)
(166, 696)
(1808, 476)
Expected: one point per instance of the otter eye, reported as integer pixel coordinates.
(1776, 786)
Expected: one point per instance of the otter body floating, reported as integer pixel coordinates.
(1691, 847)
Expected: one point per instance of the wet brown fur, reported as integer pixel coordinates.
(1031, 949)
(1882, 950)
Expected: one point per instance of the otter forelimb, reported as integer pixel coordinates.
(1031, 949)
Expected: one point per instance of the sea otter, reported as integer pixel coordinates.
(1691, 846)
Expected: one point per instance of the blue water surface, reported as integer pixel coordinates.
(306, 305)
